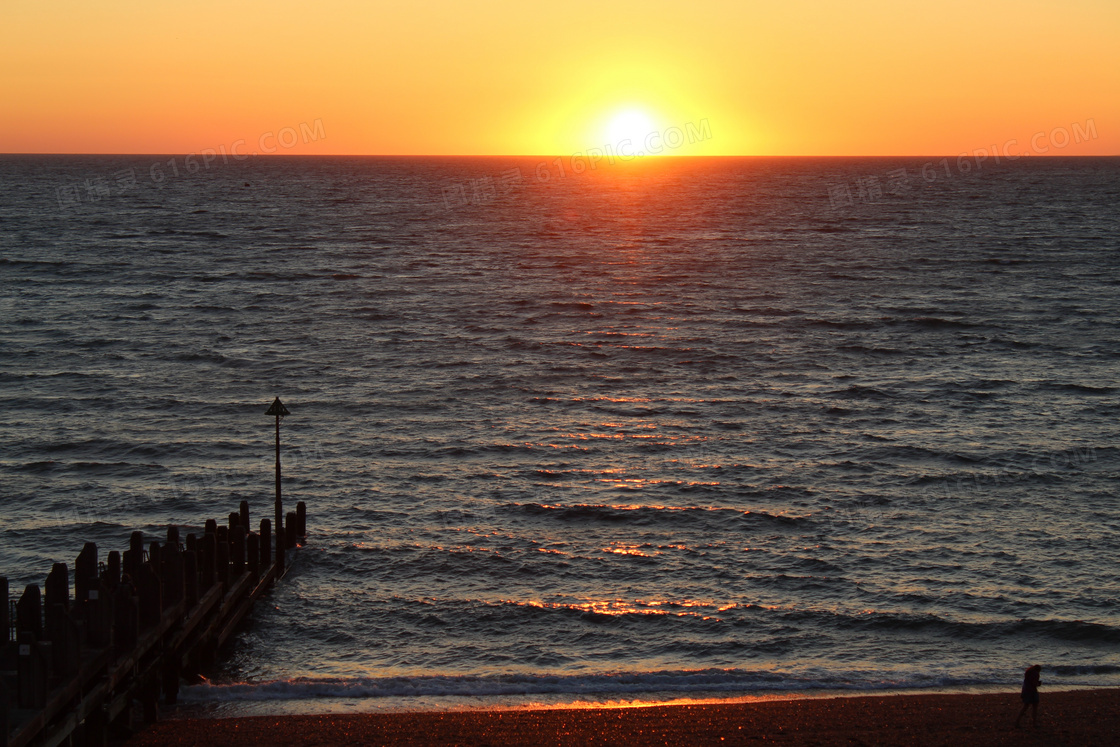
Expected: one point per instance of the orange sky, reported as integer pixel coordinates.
(797, 77)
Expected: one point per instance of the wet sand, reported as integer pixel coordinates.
(1084, 717)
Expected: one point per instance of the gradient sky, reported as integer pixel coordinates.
(798, 77)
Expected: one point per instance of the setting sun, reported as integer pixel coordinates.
(627, 132)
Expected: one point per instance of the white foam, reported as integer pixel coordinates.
(683, 682)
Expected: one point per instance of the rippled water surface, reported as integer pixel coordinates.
(685, 426)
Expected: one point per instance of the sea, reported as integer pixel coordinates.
(578, 433)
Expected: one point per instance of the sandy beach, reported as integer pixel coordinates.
(1084, 717)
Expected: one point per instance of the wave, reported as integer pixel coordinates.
(1064, 386)
(1061, 630)
(855, 391)
(32, 263)
(106, 469)
(870, 349)
(650, 514)
(707, 681)
(933, 322)
(1074, 670)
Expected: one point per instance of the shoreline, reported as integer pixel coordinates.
(1068, 716)
(317, 705)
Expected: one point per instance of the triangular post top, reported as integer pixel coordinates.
(278, 408)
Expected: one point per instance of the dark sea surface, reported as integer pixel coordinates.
(678, 427)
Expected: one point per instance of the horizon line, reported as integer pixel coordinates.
(247, 156)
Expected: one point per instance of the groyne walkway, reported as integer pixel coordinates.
(75, 665)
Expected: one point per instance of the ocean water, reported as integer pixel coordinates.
(660, 429)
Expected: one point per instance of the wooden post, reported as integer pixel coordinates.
(5, 623)
(113, 570)
(279, 552)
(126, 618)
(234, 520)
(85, 573)
(280, 535)
(209, 561)
(87, 596)
(277, 408)
(190, 576)
(211, 526)
(301, 519)
(5, 703)
(129, 567)
(237, 550)
(99, 614)
(266, 543)
(279, 501)
(253, 554)
(134, 555)
(244, 511)
(154, 557)
(156, 561)
(32, 671)
(72, 635)
(29, 612)
(173, 580)
(66, 653)
(291, 528)
(221, 557)
(151, 596)
(57, 588)
(57, 600)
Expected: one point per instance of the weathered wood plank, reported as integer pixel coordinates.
(246, 605)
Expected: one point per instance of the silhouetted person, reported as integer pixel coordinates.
(1031, 681)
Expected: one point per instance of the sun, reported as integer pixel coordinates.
(628, 130)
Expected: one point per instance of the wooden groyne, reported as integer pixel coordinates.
(72, 667)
